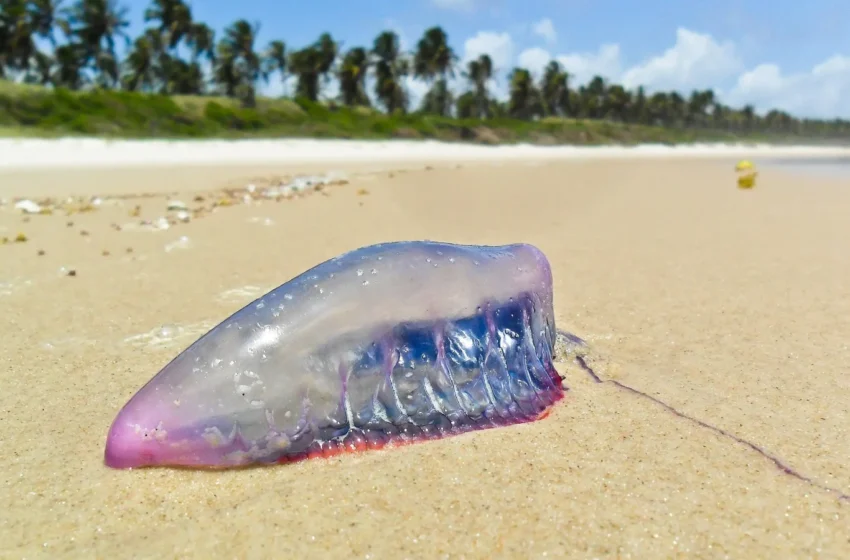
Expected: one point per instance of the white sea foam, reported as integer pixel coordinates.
(28, 153)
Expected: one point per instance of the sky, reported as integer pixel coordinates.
(793, 56)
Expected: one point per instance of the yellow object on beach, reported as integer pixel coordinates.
(746, 174)
(747, 181)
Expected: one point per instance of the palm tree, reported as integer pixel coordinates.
(143, 65)
(390, 68)
(433, 59)
(306, 64)
(618, 103)
(238, 67)
(328, 50)
(70, 63)
(555, 90)
(16, 37)
(96, 25)
(352, 77)
(479, 72)
(274, 60)
(201, 39)
(21, 21)
(45, 16)
(174, 18)
(524, 102)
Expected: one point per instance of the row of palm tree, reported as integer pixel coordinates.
(178, 55)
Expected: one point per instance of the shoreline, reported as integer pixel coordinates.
(74, 153)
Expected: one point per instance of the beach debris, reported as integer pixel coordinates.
(136, 211)
(198, 198)
(176, 206)
(72, 272)
(21, 238)
(747, 173)
(28, 206)
(362, 192)
(70, 224)
(41, 252)
(4, 241)
(84, 233)
(105, 253)
(264, 221)
(183, 216)
(182, 243)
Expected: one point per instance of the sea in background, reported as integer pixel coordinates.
(827, 167)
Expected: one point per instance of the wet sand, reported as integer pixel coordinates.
(713, 421)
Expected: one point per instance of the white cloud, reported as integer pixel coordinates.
(545, 29)
(823, 91)
(583, 67)
(456, 5)
(500, 47)
(695, 61)
(534, 59)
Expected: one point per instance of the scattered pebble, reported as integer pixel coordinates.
(41, 252)
(28, 206)
(84, 232)
(362, 192)
(72, 272)
(21, 238)
(105, 253)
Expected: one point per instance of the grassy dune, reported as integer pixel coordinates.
(36, 111)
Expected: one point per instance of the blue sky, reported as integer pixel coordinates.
(767, 52)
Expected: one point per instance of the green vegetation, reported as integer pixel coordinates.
(177, 80)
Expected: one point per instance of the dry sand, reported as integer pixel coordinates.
(727, 312)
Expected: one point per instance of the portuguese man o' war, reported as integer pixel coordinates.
(389, 343)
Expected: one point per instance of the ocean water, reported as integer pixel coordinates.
(833, 167)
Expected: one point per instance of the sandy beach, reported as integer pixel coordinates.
(713, 420)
